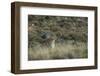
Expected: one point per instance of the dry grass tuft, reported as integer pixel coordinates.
(61, 51)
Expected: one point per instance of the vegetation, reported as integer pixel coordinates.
(70, 34)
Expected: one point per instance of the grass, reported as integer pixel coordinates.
(61, 51)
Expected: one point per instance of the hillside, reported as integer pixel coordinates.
(71, 32)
